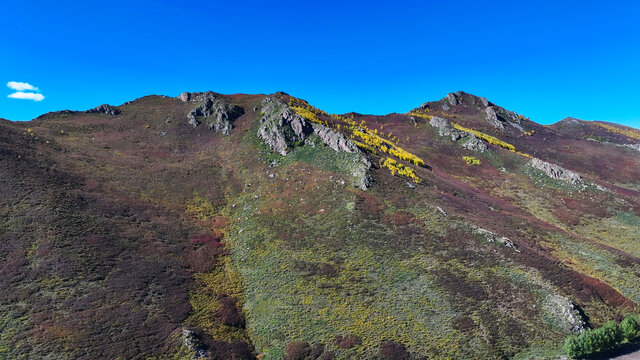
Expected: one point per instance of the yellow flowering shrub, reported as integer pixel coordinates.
(488, 138)
(629, 133)
(471, 160)
(397, 168)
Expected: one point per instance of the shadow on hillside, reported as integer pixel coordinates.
(625, 352)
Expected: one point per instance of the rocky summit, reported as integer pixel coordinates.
(212, 226)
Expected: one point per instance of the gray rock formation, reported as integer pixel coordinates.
(212, 110)
(193, 343)
(104, 109)
(492, 237)
(452, 99)
(492, 117)
(282, 129)
(446, 129)
(556, 172)
(635, 147)
(565, 313)
(469, 140)
(495, 115)
(334, 140)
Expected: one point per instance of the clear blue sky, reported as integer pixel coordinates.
(546, 60)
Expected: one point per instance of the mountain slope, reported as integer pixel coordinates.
(236, 226)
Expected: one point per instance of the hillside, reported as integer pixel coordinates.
(240, 226)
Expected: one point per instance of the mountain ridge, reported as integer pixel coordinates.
(346, 114)
(221, 234)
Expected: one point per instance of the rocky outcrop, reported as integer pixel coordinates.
(495, 115)
(635, 147)
(334, 140)
(469, 140)
(492, 117)
(192, 342)
(565, 313)
(212, 110)
(282, 129)
(556, 172)
(104, 109)
(492, 237)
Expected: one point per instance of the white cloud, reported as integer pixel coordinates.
(21, 86)
(26, 96)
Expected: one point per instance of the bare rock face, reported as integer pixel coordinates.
(474, 144)
(334, 140)
(104, 109)
(185, 97)
(452, 99)
(556, 172)
(470, 141)
(445, 129)
(213, 111)
(492, 117)
(193, 343)
(565, 313)
(282, 129)
(635, 147)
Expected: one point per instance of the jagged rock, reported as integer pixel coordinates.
(193, 343)
(282, 129)
(474, 144)
(495, 115)
(556, 172)
(197, 96)
(218, 115)
(565, 312)
(635, 147)
(452, 99)
(104, 109)
(334, 140)
(470, 141)
(492, 117)
(445, 128)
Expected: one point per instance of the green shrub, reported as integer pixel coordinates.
(630, 328)
(608, 337)
(574, 347)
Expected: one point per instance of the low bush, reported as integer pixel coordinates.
(631, 328)
(606, 338)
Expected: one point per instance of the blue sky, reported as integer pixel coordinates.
(546, 60)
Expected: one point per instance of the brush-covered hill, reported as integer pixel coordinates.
(214, 226)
